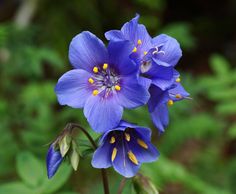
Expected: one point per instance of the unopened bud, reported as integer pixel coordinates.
(74, 156)
(64, 145)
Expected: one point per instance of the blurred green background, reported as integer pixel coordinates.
(198, 150)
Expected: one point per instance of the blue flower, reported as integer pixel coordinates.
(125, 148)
(54, 160)
(103, 82)
(155, 56)
(160, 100)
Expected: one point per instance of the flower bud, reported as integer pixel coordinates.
(54, 160)
(74, 156)
(65, 144)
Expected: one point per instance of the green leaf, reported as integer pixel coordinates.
(15, 188)
(60, 178)
(182, 32)
(29, 169)
(232, 131)
(227, 108)
(219, 64)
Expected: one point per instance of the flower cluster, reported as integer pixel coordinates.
(132, 71)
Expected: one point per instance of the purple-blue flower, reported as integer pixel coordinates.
(104, 81)
(125, 148)
(54, 160)
(160, 100)
(155, 56)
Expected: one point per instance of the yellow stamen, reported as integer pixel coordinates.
(178, 79)
(113, 140)
(132, 157)
(178, 96)
(95, 69)
(145, 52)
(90, 80)
(139, 41)
(170, 102)
(95, 92)
(117, 87)
(142, 144)
(105, 66)
(127, 137)
(134, 50)
(113, 155)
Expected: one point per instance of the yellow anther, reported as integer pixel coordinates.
(113, 155)
(178, 79)
(105, 66)
(90, 80)
(112, 140)
(142, 144)
(134, 50)
(117, 87)
(95, 92)
(132, 157)
(170, 102)
(145, 52)
(178, 96)
(95, 69)
(127, 137)
(139, 41)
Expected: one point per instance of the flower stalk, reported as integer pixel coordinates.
(71, 126)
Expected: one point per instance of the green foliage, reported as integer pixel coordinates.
(182, 32)
(172, 172)
(33, 177)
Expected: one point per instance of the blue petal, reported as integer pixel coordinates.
(160, 117)
(143, 155)
(129, 29)
(73, 89)
(87, 51)
(145, 82)
(54, 160)
(119, 57)
(143, 131)
(133, 32)
(117, 128)
(162, 83)
(132, 94)
(102, 156)
(179, 89)
(160, 39)
(102, 113)
(157, 97)
(122, 163)
(171, 48)
(114, 35)
(146, 39)
(162, 77)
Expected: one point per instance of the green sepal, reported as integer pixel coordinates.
(74, 156)
(64, 145)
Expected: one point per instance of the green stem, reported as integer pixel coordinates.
(122, 186)
(103, 171)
